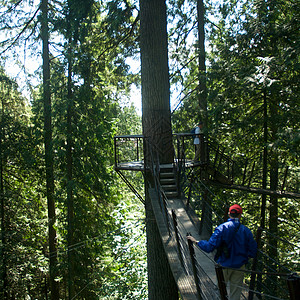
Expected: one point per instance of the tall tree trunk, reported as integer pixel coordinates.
(3, 270)
(202, 66)
(155, 78)
(157, 128)
(49, 152)
(69, 158)
(265, 163)
(273, 209)
(206, 211)
(274, 119)
(264, 177)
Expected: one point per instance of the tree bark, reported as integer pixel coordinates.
(202, 66)
(3, 270)
(157, 129)
(69, 159)
(49, 152)
(155, 78)
(273, 207)
(161, 283)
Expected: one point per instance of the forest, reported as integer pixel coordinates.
(69, 71)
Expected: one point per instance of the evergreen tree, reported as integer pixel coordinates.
(23, 221)
(157, 129)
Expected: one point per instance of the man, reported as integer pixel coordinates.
(198, 131)
(240, 246)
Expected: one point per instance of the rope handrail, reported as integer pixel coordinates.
(278, 274)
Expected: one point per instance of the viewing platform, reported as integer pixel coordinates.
(129, 152)
(214, 165)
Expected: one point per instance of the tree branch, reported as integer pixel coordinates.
(21, 32)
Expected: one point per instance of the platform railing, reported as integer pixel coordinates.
(215, 164)
(212, 156)
(129, 149)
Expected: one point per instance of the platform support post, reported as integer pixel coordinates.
(193, 258)
(293, 283)
(221, 282)
(253, 274)
(174, 217)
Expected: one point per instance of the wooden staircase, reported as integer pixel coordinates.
(168, 181)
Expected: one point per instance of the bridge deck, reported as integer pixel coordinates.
(185, 282)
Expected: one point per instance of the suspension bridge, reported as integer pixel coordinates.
(184, 202)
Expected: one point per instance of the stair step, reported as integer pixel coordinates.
(171, 194)
(166, 167)
(170, 187)
(166, 175)
(167, 180)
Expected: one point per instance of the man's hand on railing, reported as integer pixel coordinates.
(192, 239)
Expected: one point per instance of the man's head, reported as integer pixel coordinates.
(235, 211)
(200, 124)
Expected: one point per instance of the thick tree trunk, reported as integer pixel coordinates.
(49, 152)
(161, 283)
(157, 129)
(155, 78)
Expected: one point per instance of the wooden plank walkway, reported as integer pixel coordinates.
(185, 281)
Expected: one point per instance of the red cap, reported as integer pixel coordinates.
(235, 209)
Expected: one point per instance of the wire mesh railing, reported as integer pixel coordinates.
(270, 274)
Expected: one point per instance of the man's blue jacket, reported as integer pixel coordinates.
(241, 244)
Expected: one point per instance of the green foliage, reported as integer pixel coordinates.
(253, 84)
(99, 81)
(129, 123)
(128, 278)
(95, 92)
(23, 223)
(253, 60)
